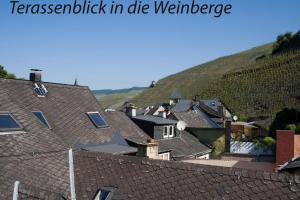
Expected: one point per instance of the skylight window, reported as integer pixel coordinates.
(7, 121)
(105, 193)
(42, 118)
(97, 119)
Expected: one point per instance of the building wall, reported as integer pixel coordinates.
(158, 132)
(206, 156)
(296, 145)
(146, 127)
(284, 146)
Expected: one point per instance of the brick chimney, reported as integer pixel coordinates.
(287, 146)
(131, 110)
(149, 150)
(35, 75)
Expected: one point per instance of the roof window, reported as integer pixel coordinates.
(8, 122)
(97, 119)
(105, 193)
(42, 118)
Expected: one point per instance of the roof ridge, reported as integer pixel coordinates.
(239, 173)
(45, 82)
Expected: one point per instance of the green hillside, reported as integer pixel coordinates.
(117, 99)
(194, 80)
(261, 89)
(254, 84)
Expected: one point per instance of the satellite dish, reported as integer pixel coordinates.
(181, 125)
(235, 118)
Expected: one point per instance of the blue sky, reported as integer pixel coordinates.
(123, 51)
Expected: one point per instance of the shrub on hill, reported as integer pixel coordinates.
(5, 74)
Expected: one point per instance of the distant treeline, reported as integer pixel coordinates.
(287, 42)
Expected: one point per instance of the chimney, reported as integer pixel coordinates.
(162, 114)
(149, 150)
(221, 111)
(287, 146)
(76, 82)
(227, 136)
(131, 110)
(35, 75)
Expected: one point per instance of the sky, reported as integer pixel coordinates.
(121, 51)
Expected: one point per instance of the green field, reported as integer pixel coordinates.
(115, 101)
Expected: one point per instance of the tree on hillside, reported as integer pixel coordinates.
(287, 41)
(5, 74)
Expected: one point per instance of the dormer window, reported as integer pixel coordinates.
(41, 117)
(168, 131)
(8, 122)
(97, 119)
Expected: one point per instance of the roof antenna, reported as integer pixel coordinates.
(76, 82)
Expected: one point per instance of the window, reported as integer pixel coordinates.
(7, 121)
(168, 131)
(165, 131)
(105, 193)
(97, 119)
(42, 118)
(102, 195)
(164, 156)
(171, 131)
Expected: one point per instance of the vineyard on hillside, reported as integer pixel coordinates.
(260, 90)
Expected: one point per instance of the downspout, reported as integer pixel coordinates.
(71, 171)
(16, 190)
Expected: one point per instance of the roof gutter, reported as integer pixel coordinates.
(16, 190)
(71, 171)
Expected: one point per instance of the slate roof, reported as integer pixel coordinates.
(154, 119)
(175, 95)
(196, 119)
(183, 146)
(65, 107)
(141, 178)
(211, 107)
(128, 129)
(41, 175)
(46, 176)
(182, 106)
(290, 165)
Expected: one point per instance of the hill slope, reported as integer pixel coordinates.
(262, 89)
(194, 80)
(252, 88)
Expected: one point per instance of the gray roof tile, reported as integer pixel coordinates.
(183, 146)
(65, 107)
(154, 119)
(140, 178)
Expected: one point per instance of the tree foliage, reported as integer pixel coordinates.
(287, 42)
(5, 74)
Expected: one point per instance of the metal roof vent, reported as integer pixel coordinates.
(40, 90)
